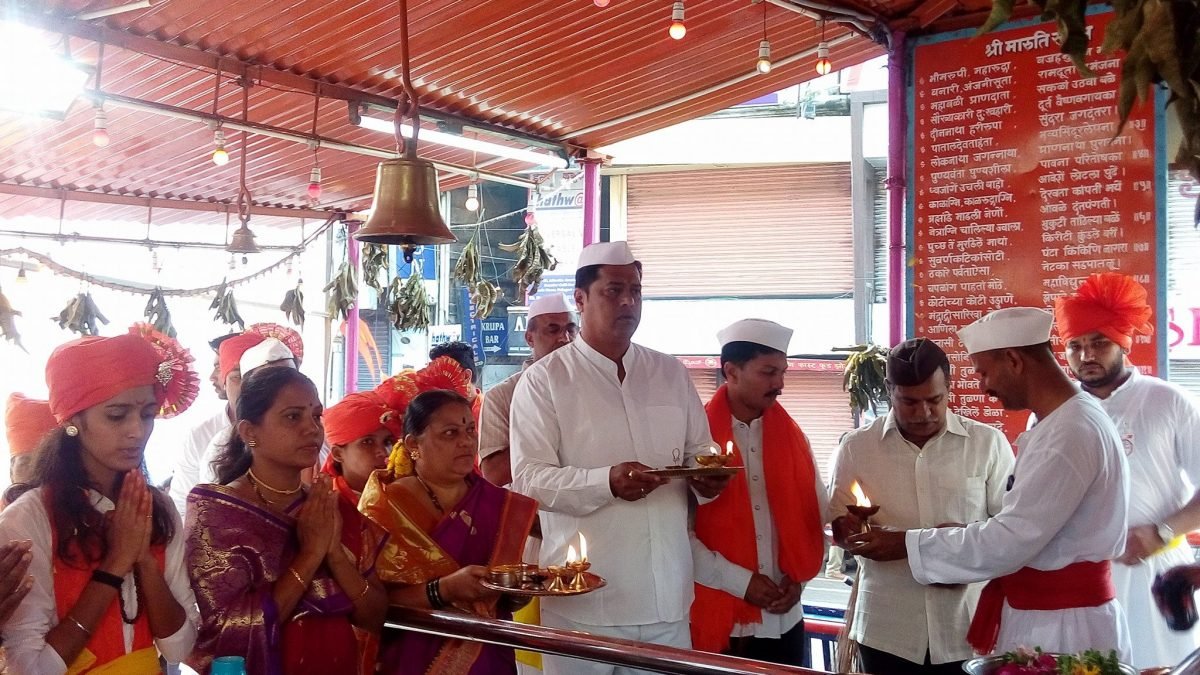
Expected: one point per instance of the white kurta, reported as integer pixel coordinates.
(25, 632)
(211, 452)
(1067, 504)
(571, 421)
(716, 571)
(186, 474)
(958, 476)
(493, 419)
(1159, 425)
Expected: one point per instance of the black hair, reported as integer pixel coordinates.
(259, 391)
(459, 351)
(586, 275)
(79, 526)
(421, 409)
(912, 362)
(740, 352)
(1042, 351)
(215, 343)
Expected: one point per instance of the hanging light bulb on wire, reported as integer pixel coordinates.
(600, 3)
(824, 65)
(220, 156)
(472, 203)
(763, 64)
(100, 136)
(677, 29)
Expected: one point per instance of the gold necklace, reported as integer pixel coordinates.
(258, 481)
(432, 497)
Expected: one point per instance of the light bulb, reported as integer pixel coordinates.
(100, 131)
(314, 184)
(764, 57)
(472, 203)
(530, 219)
(824, 65)
(220, 156)
(600, 3)
(677, 30)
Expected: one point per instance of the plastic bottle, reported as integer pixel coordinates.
(228, 665)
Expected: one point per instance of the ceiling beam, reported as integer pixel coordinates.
(236, 67)
(58, 194)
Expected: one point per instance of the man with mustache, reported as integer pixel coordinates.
(588, 423)
(1062, 520)
(924, 466)
(762, 538)
(1159, 424)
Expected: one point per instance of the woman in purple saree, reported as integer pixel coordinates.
(445, 525)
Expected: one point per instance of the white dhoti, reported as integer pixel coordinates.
(1154, 644)
(1066, 630)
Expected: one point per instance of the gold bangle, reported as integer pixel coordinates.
(366, 589)
(299, 579)
(78, 625)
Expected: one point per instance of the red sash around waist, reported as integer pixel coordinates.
(1081, 584)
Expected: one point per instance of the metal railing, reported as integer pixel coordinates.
(614, 651)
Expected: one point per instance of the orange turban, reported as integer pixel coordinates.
(1111, 304)
(26, 422)
(230, 352)
(359, 414)
(91, 370)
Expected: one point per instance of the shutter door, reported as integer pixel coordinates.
(381, 330)
(779, 231)
(818, 404)
(880, 248)
(1186, 373)
(705, 381)
(1183, 239)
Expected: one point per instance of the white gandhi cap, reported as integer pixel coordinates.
(758, 331)
(1008, 327)
(267, 351)
(555, 303)
(606, 253)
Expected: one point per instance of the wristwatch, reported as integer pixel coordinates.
(1165, 533)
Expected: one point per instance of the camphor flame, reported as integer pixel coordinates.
(860, 499)
(728, 447)
(571, 555)
(582, 548)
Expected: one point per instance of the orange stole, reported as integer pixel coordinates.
(726, 524)
(107, 642)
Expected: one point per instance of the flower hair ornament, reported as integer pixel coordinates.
(176, 381)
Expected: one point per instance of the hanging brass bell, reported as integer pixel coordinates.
(405, 211)
(242, 241)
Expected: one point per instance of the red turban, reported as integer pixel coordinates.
(287, 336)
(88, 371)
(230, 352)
(27, 421)
(359, 414)
(1111, 304)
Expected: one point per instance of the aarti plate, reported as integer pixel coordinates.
(594, 581)
(694, 471)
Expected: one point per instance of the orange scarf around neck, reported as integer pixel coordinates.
(726, 524)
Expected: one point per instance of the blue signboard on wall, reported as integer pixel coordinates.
(495, 337)
(424, 256)
(472, 328)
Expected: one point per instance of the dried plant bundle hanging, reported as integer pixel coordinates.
(484, 295)
(375, 265)
(469, 268)
(8, 327)
(864, 377)
(293, 304)
(157, 314)
(409, 307)
(226, 307)
(343, 292)
(81, 315)
(533, 259)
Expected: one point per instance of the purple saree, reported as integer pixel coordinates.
(235, 553)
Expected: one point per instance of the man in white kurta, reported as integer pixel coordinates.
(1060, 523)
(186, 473)
(588, 421)
(1159, 425)
(923, 466)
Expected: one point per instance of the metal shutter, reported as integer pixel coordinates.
(1183, 239)
(1186, 373)
(705, 381)
(818, 404)
(880, 229)
(381, 329)
(779, 231)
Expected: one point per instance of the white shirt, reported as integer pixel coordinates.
(1159, 425)
(25, 633)
(187, 467)
(1067, 504)
(493, 419)
(958, 476)
(571, 421)
(716, 571)
(215, 446)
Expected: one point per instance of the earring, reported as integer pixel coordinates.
(252, 443)
(71, 430)
(414, 454)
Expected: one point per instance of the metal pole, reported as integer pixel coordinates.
(897, 170)
(591, 201)
(351, 344)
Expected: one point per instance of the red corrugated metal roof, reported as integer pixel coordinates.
(550, 68)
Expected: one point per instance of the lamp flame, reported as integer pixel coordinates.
(860, 499)
(729, 447)
(582, 548)
(571, 555)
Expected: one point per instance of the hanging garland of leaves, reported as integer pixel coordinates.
(864, 376)
(157, 314)
(293, 304)
(226, 307)
(532, 261)
(409, 307)
(375, 263)
(1161, 41)
(8, 327)
(343, 291)
(469, 268)
(81, 315)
